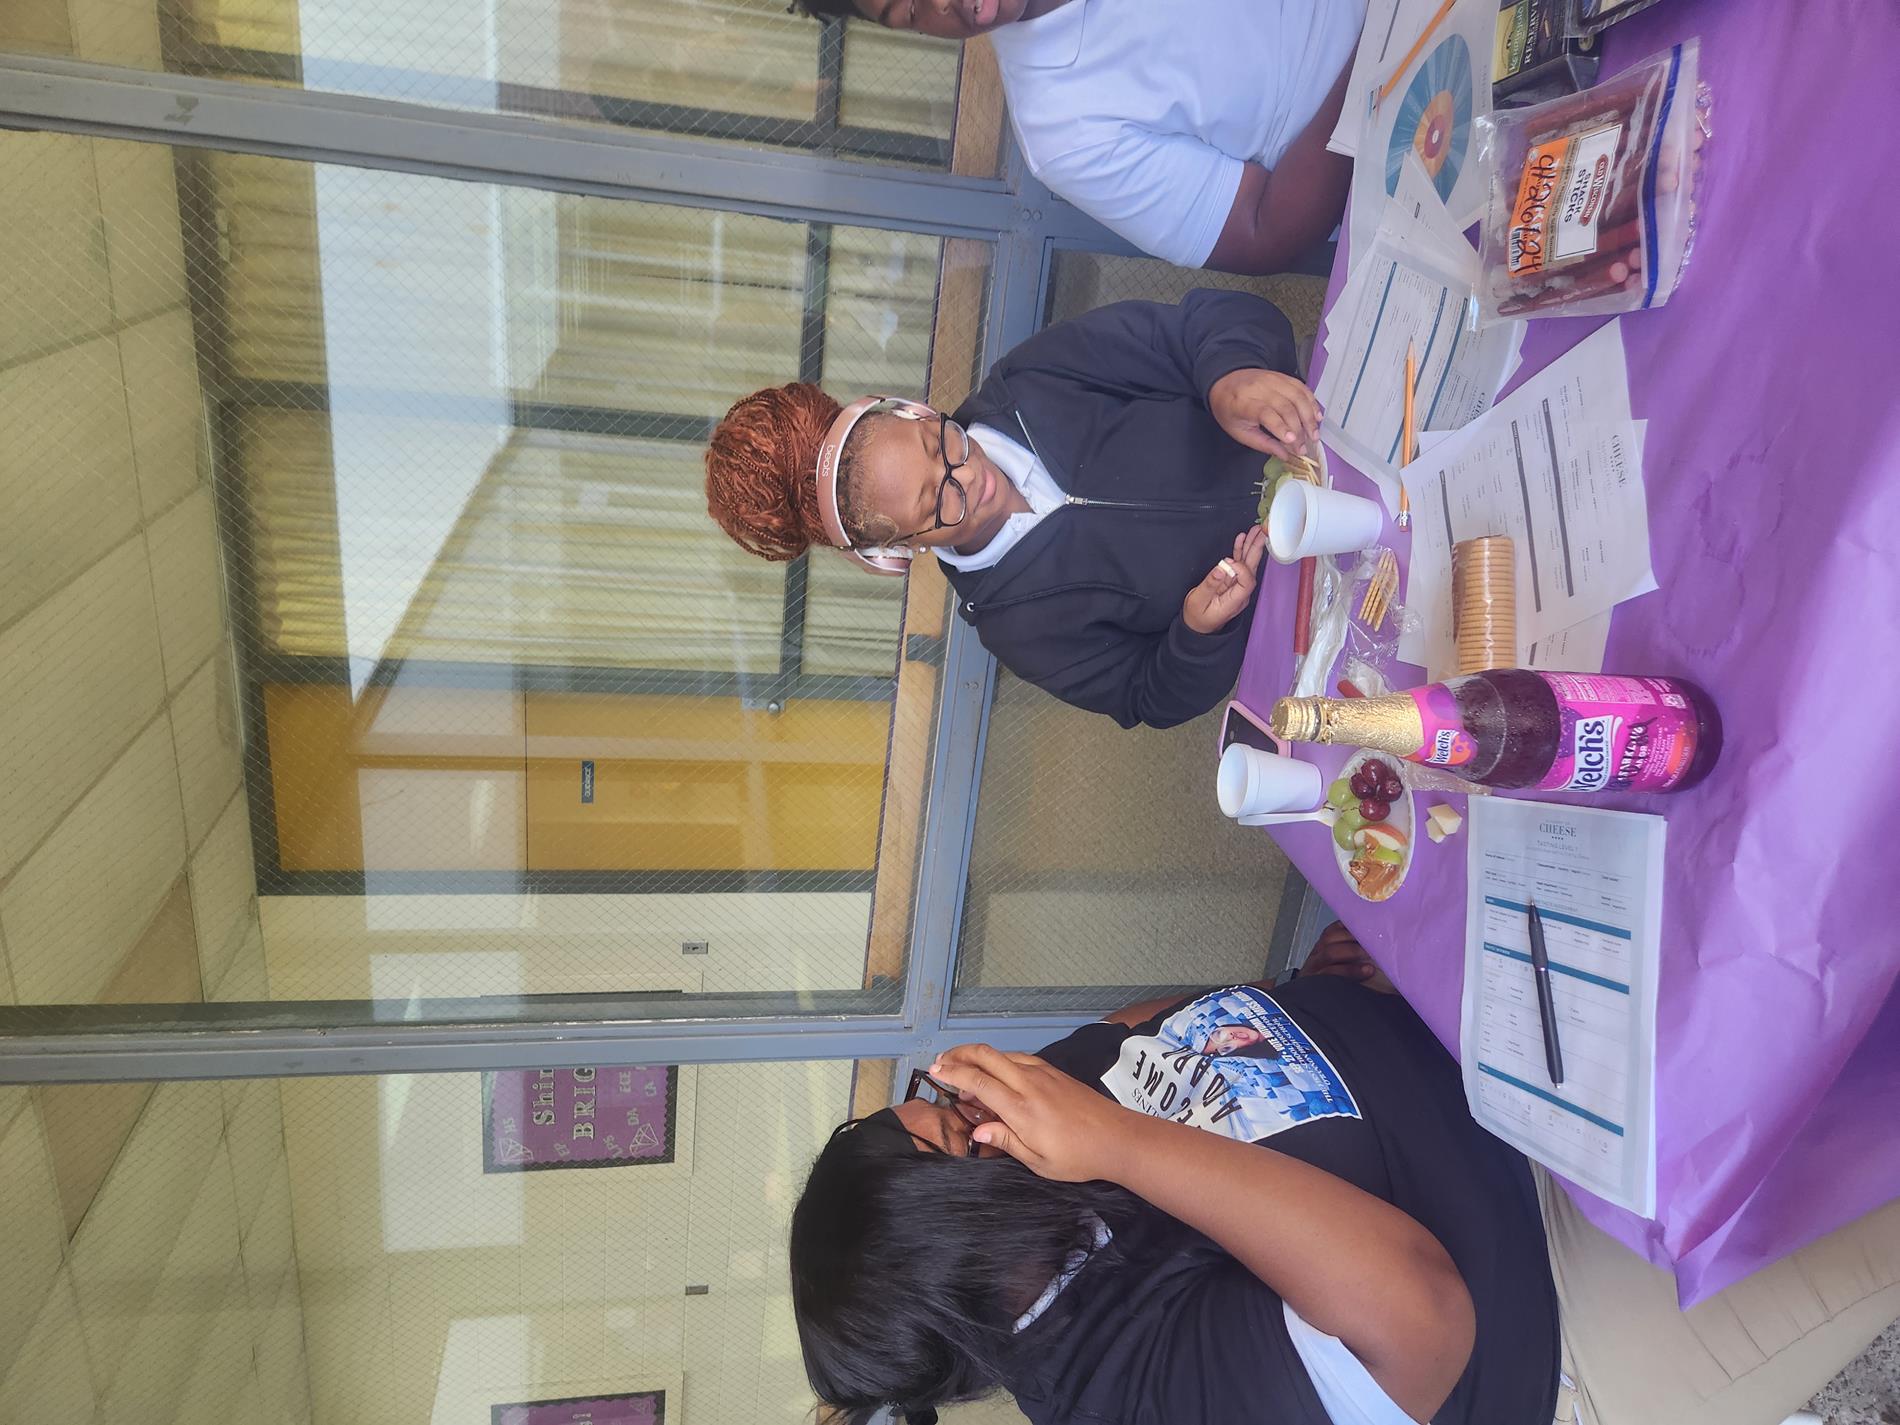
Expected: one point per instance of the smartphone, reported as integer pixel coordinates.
(1240, 725)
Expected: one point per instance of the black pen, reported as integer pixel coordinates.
(1546, 1007)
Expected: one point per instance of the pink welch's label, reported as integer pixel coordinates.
(1614, 733)
(1617, 733)
(1447, 744)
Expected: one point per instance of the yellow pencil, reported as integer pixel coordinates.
(1412, 54)
(1408, 434)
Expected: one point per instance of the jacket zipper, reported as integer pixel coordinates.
(1084, 502)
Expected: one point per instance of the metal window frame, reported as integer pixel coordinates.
(1013, 212)
(105, 101)
(823, 133)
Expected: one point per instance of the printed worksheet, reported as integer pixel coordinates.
(1596, 879)
(1558, 466)
(1576, 649)
(1408, 291)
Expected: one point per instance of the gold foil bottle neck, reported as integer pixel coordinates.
(1390, 723)
(1296, 719)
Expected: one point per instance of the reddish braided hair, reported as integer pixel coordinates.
(760, 467)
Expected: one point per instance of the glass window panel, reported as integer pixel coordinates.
(1099, 875)
(623, 521)
(414, 1248)
(878, 308)
(848, 616)
(353, 525)
(743, 71)
(899, 82)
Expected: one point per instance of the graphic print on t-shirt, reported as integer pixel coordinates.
(1232, 1062)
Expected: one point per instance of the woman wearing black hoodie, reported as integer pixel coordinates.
(1093, 503)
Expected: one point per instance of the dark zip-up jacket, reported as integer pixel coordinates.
(1114, 403)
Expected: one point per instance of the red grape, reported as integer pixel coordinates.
(1375, 810)
(1374, 770)
(1391, 789)
(1363, 786)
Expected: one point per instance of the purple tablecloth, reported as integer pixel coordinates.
(1771, 383)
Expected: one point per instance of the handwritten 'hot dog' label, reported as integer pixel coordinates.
(1561, 196)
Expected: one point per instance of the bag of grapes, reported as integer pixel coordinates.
(1592, 202)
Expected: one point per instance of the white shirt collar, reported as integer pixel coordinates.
(1075, 1262)
(1050, 41)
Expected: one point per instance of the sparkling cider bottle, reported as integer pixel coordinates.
(1511, 727)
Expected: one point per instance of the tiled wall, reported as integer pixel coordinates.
(148, 1256)
(147, 1262)
(121, 760)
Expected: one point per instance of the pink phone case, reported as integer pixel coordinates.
(1284, 748)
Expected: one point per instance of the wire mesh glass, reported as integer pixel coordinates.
(520, 1247)
(739, 71)
(358, 598)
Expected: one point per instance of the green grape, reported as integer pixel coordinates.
(1339, 795)
(1388, 855)
(1342, 834)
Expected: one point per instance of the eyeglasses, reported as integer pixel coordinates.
(953, 501)
(932, 1091)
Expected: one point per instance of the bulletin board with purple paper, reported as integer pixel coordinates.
(579, 1118)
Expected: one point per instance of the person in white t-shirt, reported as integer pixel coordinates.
(1196, 129)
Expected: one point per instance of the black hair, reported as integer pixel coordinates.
(909, 1269)
(828, 9)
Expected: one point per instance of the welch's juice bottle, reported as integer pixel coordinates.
(1511, 727)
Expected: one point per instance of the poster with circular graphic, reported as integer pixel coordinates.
(1434, 118)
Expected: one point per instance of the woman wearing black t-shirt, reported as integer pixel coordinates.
(1126, 1228)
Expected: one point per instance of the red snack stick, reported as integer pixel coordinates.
(1591, 270)
(1578, 114)
(1562, 291)
(1303, 607)
(1612, 243)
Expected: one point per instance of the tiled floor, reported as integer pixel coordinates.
(1868, 1391)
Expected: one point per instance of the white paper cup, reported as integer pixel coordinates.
(1251, 782)
(1305, 520)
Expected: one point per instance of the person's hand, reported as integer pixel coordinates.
(1229, 585)
(1267, 411)
(1337, 952)
(1053, 1125)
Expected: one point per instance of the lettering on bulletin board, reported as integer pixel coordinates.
(578, 1118)
(646, 1407)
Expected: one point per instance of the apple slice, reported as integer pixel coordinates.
(1382, 834)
